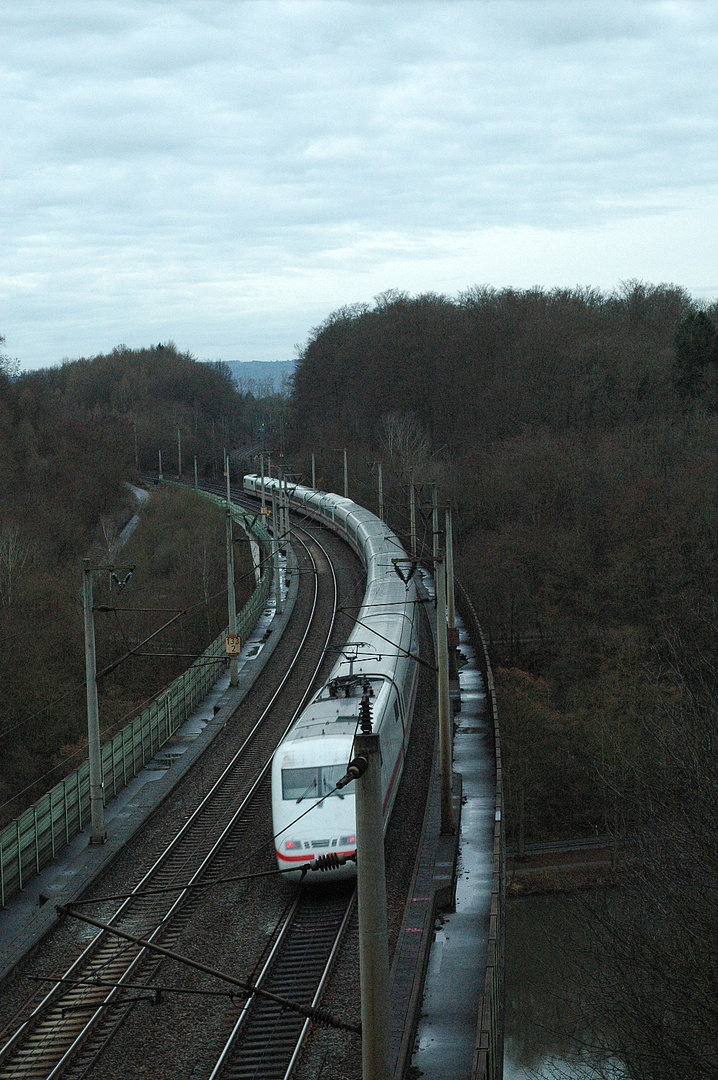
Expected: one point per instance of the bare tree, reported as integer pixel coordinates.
(14, 555)
(9, 365)
(404, 441)
(651, 984)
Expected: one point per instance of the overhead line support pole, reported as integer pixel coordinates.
(231, 594)
(450, 599)
(371, 898)
(97, 805)
(445, 717)
(286, 509)
(275, 554)
(451, 631)
(412, 514)
(381, 491)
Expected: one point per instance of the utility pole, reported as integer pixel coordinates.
(137, 456)
(346, 476)
(381, 491)
(231, 595)
(452, 634)
(97, 805)
(275, 554)
(450, 601)
(314, 473)
(161, 477)
(412, 514)
(281, 506)
(445, 718)
(286, 508)
(371, 897)
(196, 478)
(435, 544)
(179, 454)
(261, 477)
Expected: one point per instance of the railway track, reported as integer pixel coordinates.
(266, 1040)
(69, 1028)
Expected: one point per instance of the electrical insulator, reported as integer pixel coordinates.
(331, 861)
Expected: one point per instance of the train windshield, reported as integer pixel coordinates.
(313, 783)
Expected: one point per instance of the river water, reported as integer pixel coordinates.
(546, 947)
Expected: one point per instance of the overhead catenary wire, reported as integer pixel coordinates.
(213, 882)
(77, 687)
(318, 1015)
(156, 991)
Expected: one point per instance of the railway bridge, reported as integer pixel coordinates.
(180, 951)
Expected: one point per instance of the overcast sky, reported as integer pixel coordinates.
(225, 173)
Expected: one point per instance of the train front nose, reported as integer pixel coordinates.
(330, 858)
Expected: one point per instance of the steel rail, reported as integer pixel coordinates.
(265, 1042)
(26, 1063)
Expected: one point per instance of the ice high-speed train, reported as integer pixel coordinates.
(380, 651)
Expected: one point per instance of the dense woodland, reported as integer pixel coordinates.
(69, 439)
(575, 434)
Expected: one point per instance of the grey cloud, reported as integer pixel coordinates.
(225, 145)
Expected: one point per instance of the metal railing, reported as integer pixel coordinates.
(488, 1063)
(32, 840)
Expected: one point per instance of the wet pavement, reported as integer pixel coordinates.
(455, 977)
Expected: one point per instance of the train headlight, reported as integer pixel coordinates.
(292, 845)
(347, 840)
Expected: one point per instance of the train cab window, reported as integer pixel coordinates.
(313, 783)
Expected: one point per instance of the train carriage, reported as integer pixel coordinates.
(310, 818)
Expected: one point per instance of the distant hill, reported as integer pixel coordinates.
(262, 377)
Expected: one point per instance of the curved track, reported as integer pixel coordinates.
(73, 1023)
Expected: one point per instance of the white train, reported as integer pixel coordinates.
(380, 652)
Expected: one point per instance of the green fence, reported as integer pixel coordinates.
(31, 841)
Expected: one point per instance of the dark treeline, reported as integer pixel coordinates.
(576, 436)
(145, 396)
(485, 367)
(69, 439)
